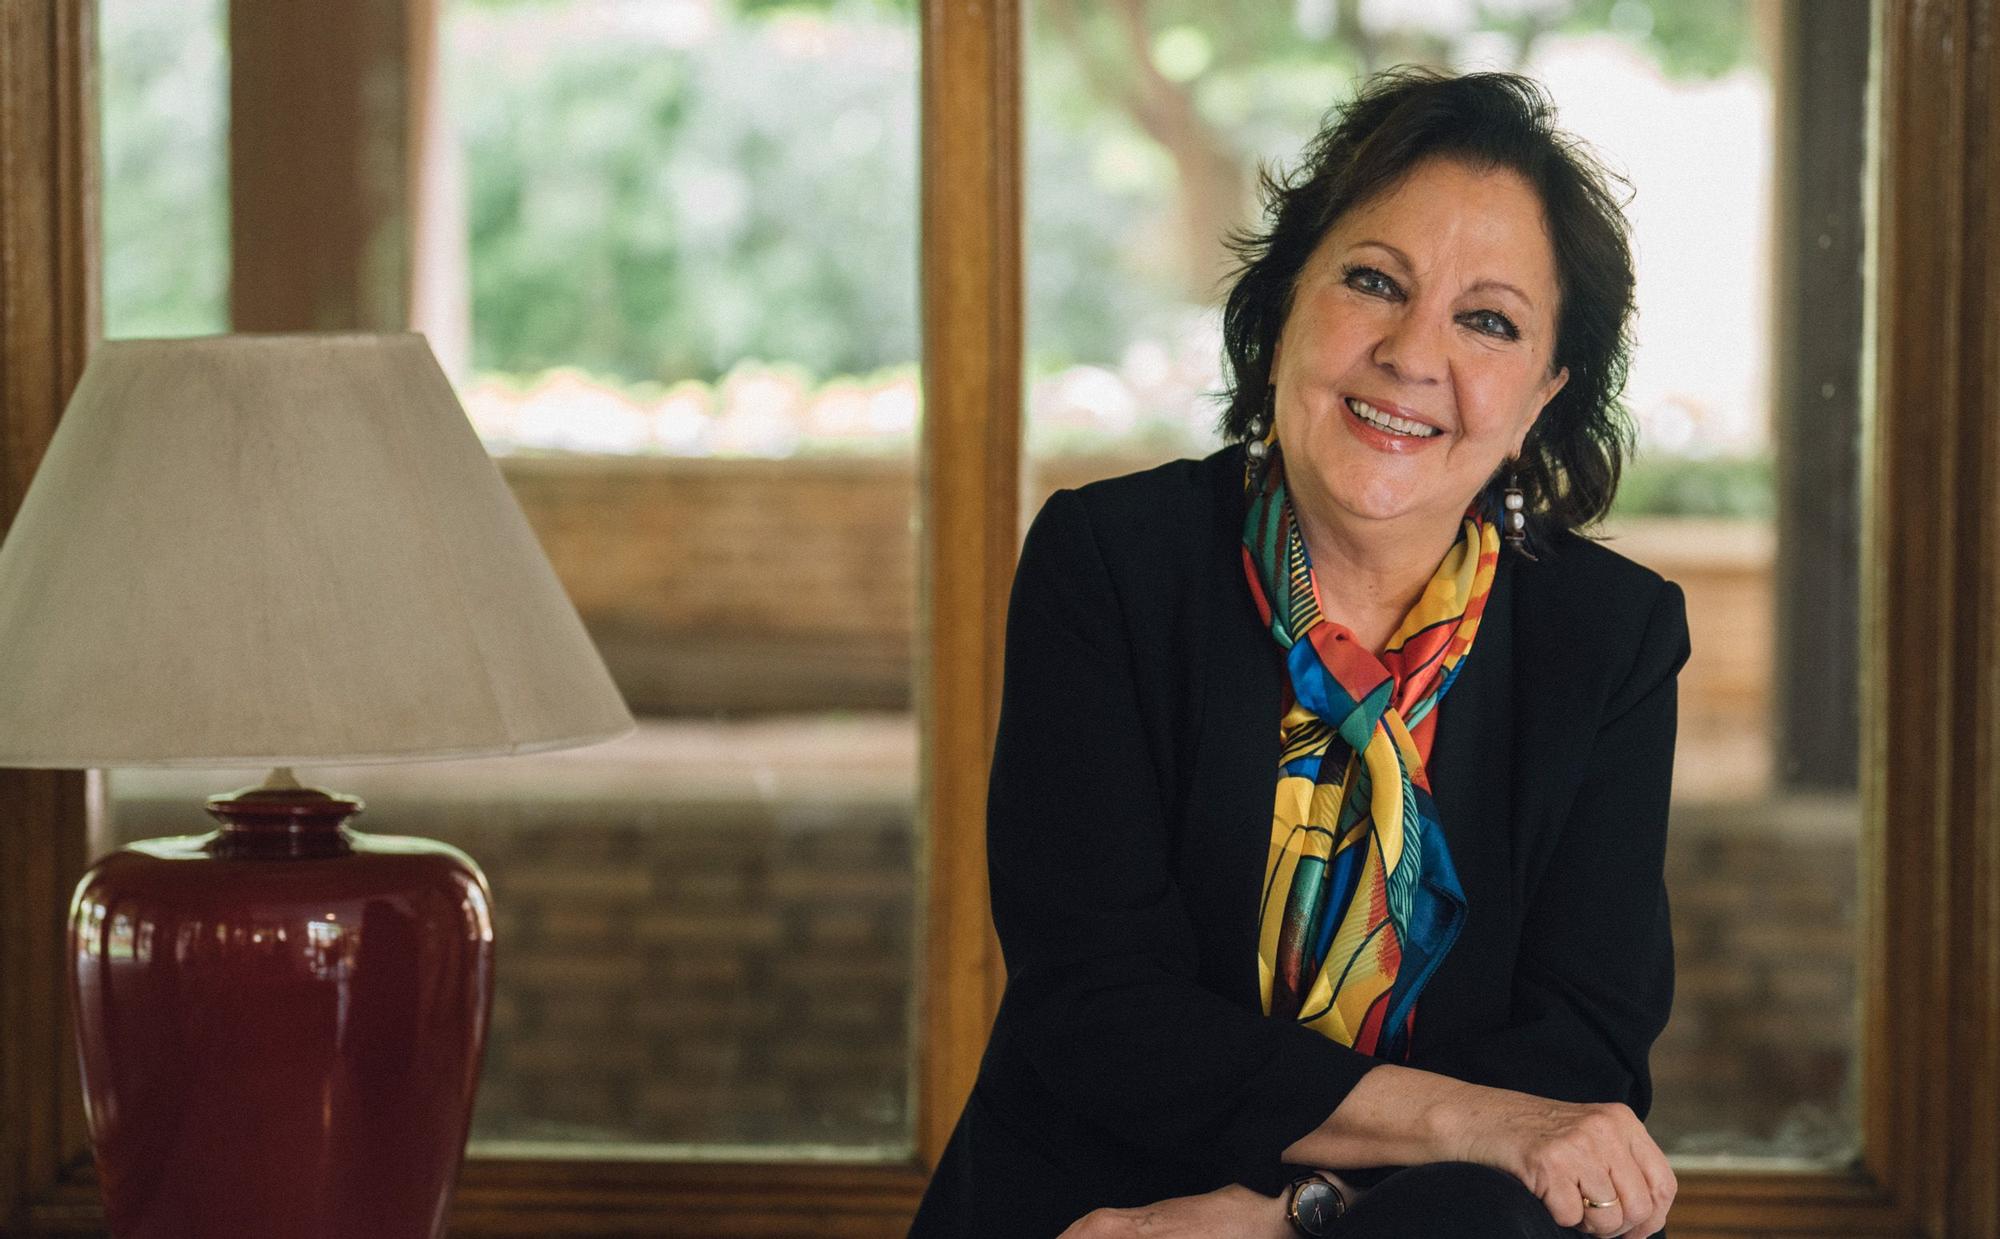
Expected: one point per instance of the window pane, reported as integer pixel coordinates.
(667, 251)
(1143, 146)
(165, 115)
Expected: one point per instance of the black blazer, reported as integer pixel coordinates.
(1128, 822)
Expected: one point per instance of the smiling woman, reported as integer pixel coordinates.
(1386, 971)
(1482, 265)
(1404, 389)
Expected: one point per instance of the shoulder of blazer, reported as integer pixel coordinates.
(1585, 610)
(1154, 531)
(1149, 506)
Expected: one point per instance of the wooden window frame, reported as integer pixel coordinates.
(1930, 917)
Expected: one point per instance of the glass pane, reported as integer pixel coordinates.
(165, 115)
(1144, 140)
(668, 254)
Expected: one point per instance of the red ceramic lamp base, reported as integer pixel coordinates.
(280, 1024)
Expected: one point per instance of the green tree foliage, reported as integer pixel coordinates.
(1217, 97)
(652, 212)
(1690, 38)
(166, 184)
(1698, 486)
(657, 208)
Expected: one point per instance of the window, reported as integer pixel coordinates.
(1930, 567)
(1146, 125)
(685, 323)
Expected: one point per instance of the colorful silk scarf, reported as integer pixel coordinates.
(1361, 901)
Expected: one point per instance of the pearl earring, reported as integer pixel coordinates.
(1514, 512)
(1256, 449)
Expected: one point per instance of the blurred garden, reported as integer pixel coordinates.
(689, 227)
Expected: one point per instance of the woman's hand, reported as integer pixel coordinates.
(1232, 1212)
(1563, 1151)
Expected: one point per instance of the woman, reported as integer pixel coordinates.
(1426, 994)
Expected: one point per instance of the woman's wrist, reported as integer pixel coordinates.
(1271, 1214)
(1451, 1115)
(1394, 1116)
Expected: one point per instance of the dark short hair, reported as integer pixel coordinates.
(1570, 462)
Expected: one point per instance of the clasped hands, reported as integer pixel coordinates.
(1559, 1150)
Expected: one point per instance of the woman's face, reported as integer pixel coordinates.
(1435, 303)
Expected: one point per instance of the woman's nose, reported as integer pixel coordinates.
(1412, 349)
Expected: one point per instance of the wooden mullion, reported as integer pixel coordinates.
(517, 1198)
(752, 1201)
(48, 319)
(1970, 594)
(320, 142)
(1930, 998)
(969, 502)
(673, 1200)
(79, 308)
(1713, 1204)
(1900, 552)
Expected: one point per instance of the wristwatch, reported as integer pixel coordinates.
(1313, 1204)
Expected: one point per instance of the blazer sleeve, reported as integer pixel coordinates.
(1100, 952)
(1594, 980)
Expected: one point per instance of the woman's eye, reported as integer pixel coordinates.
(1361, 277)
(1495, 324)
(1373, 282)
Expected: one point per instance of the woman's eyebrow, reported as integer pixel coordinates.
(1475, 286)
(1503, 286)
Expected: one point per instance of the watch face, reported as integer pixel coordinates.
(1316, 1205)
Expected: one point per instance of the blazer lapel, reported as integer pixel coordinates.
(1226, 827)
(1471, 774)
(1470, 766)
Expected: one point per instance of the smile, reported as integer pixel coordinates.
(1387, 423)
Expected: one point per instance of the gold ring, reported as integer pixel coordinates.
(1600, 1204)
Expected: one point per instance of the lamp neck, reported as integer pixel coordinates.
(276, 822)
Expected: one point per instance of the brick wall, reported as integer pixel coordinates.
(729, 981)
(735, 585)
(739, 586)
(674, 970)
(1759, 1054)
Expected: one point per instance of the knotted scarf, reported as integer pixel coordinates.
(1360, 899)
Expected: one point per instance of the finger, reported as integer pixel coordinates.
(1097, 1224)
(1635, 1196)
(1660, 1178)
(1565, 1204)
(1601, 1219)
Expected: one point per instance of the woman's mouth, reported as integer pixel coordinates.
(1389, 424)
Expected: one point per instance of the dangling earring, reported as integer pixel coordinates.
(1514, 512)
(1257, 450)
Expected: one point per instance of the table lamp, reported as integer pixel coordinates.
(271, 552)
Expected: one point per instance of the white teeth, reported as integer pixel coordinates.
(1375, 417)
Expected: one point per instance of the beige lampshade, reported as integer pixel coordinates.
(277, 551)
